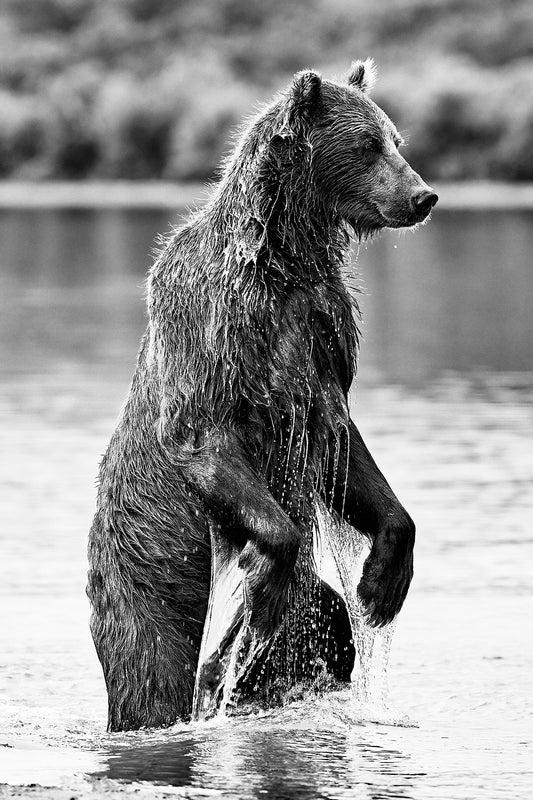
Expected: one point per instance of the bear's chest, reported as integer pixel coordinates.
(308, 365)
(313, 346)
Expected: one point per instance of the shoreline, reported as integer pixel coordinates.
(15, 195)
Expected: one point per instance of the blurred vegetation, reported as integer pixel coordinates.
(153, 88)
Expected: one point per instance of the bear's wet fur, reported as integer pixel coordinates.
(237, 418)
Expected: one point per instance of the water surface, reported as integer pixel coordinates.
(444, 401)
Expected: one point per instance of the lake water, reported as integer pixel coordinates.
(445, 402)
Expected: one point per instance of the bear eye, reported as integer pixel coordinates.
(373, 145)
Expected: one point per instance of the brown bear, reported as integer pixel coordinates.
(237, 424)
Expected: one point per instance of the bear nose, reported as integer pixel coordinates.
(424, 201)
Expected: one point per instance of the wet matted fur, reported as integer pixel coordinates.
(237, 418)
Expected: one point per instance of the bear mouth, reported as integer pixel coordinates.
(366, 224)
(376, 219)
(408, 220)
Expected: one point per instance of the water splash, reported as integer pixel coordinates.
(246, 649)
(340, 554)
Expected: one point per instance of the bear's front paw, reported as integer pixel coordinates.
(266, 580)
(387, 573)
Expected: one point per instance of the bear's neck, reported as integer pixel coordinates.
(278, 224)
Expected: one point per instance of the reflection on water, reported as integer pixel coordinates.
(269, 763)
(444, 399)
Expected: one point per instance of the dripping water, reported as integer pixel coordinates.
(245, 650)
(340, 553)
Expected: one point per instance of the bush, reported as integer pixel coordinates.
(495, 41)
(209, 103)
(134, 126)
(511, 159)
(71, 148)
(463, 121)
(202, 135)
(22, 133)
(153, 88)
(454, 136)
(36, 16)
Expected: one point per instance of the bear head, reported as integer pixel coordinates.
(354, 152)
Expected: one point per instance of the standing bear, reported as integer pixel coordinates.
(237, 428)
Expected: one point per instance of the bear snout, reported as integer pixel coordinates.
(423, 201)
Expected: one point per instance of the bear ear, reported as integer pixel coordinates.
(362, 75)
(306, 93)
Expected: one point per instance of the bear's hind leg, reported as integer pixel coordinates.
(147, 619)
(148, 667)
